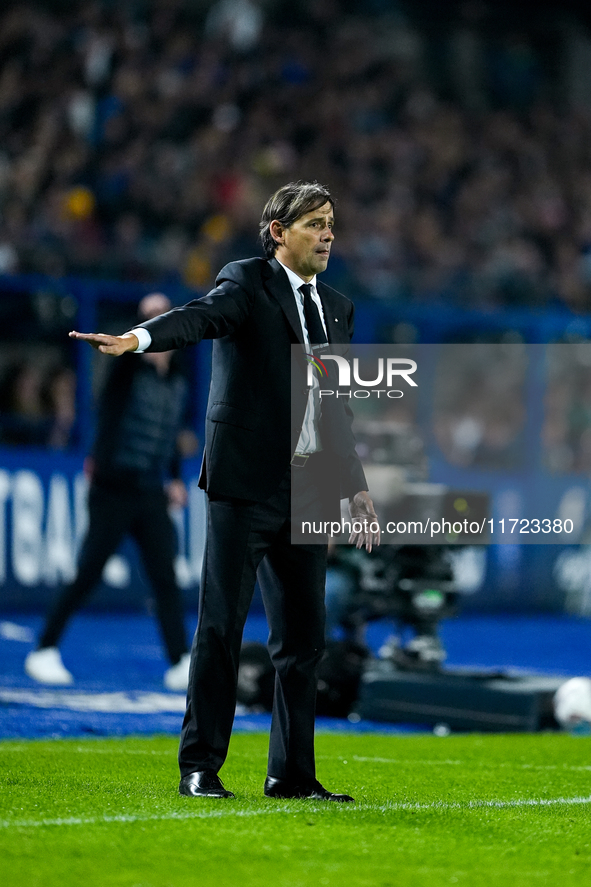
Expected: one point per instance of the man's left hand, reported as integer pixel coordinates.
(361, 510)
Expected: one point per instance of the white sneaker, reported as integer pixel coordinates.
(176, 677)
(46, 667)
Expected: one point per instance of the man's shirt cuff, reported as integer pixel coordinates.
(144, 338)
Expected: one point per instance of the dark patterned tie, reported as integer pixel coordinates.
(316, 333)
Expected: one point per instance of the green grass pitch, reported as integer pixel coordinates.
(469, 810)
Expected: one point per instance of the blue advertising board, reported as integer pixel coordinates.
(43, 518)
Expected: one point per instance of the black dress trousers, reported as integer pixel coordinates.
(246, 540)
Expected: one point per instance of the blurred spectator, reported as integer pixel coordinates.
(8, 256)
(23, 419)
(240, 21)
(479, 417)
(37, 405)
(566, 434)
(59, 395)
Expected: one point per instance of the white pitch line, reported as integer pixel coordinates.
(99, 820)
(294, 807)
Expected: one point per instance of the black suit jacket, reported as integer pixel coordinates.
(256, 404)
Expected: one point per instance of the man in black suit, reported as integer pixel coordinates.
(265, 434)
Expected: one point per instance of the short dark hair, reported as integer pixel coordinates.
(287, 205)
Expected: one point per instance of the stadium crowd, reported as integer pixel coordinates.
(140, 140)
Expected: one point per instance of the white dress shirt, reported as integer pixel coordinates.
(309, 441)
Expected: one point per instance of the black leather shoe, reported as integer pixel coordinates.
(279, 788)
(203, 784)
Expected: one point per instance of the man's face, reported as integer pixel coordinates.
(305, 246)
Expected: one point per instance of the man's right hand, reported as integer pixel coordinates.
(115, 345)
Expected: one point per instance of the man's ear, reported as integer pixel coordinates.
(276, 230)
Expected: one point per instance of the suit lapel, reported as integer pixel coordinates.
(279, 286)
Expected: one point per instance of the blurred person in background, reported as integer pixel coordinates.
(37, 408)
(59, 396)
(134, 478)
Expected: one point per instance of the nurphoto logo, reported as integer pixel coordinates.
(388, 370)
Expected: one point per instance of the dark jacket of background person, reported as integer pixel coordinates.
(139, 417)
